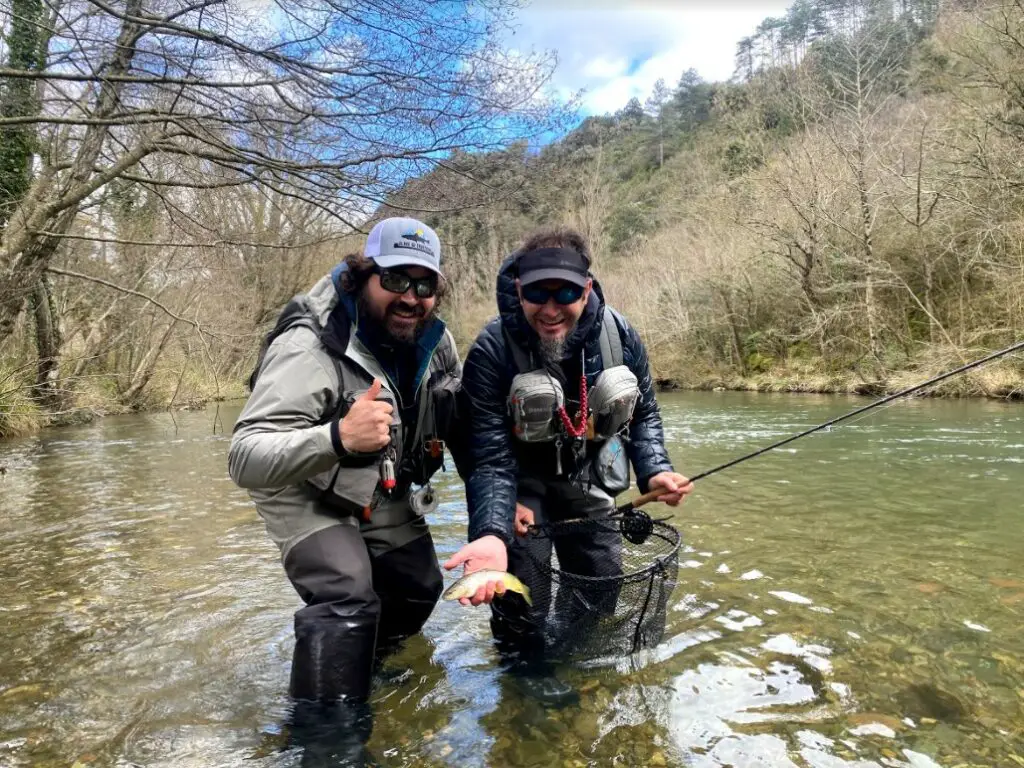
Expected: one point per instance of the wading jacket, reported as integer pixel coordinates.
(496, 457)
(285, 448)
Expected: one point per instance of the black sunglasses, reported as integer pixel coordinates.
(399, 282)
(566, 293)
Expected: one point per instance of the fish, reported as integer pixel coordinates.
(471, 582)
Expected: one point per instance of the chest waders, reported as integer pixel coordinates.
(537, 409)
(358, 554)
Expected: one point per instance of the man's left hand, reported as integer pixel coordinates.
(676, 487)
(524, 519)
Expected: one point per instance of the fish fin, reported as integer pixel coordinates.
(526, 596)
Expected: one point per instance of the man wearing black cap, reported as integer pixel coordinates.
(537, 380)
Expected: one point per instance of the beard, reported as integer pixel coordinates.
(386, 323)
(552, 350)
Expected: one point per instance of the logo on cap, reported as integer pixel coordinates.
(416, 236)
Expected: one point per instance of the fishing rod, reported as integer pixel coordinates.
(653, 495)
(887, 399)
(650, 496)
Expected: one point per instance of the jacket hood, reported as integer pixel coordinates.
(514, 323)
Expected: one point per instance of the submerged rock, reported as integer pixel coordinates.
(926, 701)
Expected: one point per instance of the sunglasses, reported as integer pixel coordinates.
(566, 293)
(399, 282)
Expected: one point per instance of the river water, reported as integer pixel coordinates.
(855, 599)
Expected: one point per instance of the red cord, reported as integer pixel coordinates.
(581, 415)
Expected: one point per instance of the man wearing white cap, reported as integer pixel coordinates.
(351, 403)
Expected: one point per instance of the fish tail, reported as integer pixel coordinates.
(526, 596)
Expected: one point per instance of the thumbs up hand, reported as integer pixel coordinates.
(366, 427)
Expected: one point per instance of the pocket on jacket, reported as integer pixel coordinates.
(610, 467)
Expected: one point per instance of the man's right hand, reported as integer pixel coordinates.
(487, 552)
(366, 427)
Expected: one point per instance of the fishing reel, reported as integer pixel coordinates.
(423, 501)
(636, 526)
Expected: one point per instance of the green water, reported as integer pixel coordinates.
(855, 600)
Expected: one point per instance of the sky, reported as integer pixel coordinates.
(617, 49)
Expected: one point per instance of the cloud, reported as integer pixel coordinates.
(615, 51)
(602, 67)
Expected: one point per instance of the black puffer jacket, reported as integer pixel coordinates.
(494, 454)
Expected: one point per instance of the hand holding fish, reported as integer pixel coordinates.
(485, 554)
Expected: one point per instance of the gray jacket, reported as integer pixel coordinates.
(282, 449)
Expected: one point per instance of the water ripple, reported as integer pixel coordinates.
(852, 602)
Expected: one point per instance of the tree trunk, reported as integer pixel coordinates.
(734, 331)
(147, 367)
(27, 253)
(661, 144)
(94, 339)
(47, 389)
(26, 46)
(928, 303)
(870, 300)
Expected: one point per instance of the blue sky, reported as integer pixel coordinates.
(617, 50)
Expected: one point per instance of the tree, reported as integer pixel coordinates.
(860, 74)
(250, 129)
(632, 114)
(803, 24)
(745, 67)
(691, 101)
(18, 103)
(654, 108)
(329, 103)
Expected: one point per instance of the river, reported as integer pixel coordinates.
(855, 599)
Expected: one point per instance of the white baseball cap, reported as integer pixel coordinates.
(402, 242)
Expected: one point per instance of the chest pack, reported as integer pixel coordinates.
(536, 396)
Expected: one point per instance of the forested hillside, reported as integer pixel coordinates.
(844, 215)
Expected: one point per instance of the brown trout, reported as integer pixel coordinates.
(470, 583)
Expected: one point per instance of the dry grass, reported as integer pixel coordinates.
(96, 396)
(19, 416)
(999, 380)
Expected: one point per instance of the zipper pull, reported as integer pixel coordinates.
(558, 456)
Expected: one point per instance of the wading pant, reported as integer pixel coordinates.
(526, 632)
(366, 586)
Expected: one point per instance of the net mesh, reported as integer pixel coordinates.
(612, 600)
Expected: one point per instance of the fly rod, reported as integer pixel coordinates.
(887, 399)
(650, 496)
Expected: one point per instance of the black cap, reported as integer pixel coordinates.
(553, 264)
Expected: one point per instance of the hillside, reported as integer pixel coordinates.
(843, 216)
